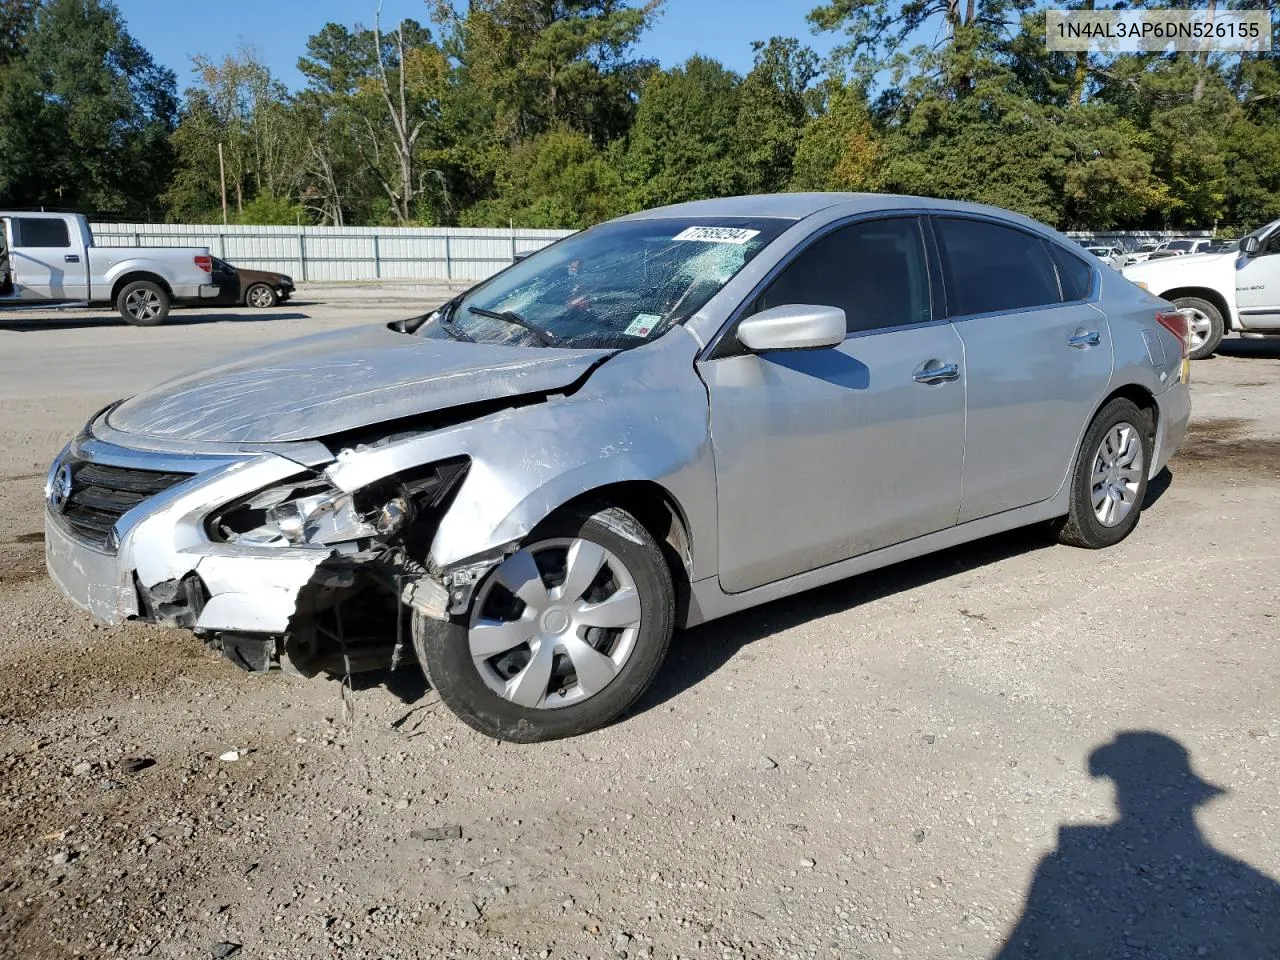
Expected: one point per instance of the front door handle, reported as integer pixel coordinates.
(935, 372)
(71, 258)
(1084, 338)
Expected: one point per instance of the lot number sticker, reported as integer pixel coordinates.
(717, 234)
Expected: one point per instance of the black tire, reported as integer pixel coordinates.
(1217, 327)
(1081, 527)
(143, 303)
(443, 650)
(260, 296)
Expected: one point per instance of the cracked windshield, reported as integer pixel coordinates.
(613, 286)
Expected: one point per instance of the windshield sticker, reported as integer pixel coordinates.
(642, 325)
(717, 234)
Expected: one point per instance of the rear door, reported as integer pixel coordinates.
(44, 262)
(1037, 353)
(825, 454)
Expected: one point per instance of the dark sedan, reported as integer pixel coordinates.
(253, 288)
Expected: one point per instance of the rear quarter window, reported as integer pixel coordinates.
(1075, 276)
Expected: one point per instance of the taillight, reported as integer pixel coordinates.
(1177, 324)
(204, 263)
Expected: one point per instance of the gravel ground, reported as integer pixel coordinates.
(874, 769)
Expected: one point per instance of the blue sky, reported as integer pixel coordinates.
(175, 32)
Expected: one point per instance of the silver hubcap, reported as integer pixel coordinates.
(1117, 474)
(554, 623)
(260, 297)
(142, 304)
(1199, 326)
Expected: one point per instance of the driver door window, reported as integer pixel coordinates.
(875, 271)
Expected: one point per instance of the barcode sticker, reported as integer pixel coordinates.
(717, 234)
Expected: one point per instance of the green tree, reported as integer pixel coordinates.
(773, 106)
(85, 113)
(682, 143)
(553, 64)
(557, 180)
(839, 149)
(238, 104)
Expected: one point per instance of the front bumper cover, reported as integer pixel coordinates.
(165, 568)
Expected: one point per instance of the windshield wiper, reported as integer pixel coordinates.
(545, 337)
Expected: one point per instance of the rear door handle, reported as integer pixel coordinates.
(71, 258)
(1084, 338)
(933, 371)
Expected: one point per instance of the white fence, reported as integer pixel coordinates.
(1130, 240)
(342, 253)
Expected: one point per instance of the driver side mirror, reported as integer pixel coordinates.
(793, 326)
(1250, 246)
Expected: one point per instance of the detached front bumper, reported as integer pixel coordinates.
(156, 562)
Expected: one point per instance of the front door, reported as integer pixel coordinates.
(1258, 285)
(44, 263)
(825, 454)
(1037, 354)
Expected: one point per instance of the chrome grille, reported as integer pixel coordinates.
(101, 494)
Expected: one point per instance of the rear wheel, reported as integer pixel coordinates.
(562, 636)
(260, 296)
(143, 303)
(1110, 478)
(1205, 326)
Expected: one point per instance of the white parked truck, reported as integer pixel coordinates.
(50, 258)
(1218, 292)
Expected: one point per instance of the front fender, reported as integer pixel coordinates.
(641, 416)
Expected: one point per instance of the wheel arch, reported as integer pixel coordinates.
(133, 276)
(658, 511)
(1208, 294)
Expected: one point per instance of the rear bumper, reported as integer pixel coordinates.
(1174, 407)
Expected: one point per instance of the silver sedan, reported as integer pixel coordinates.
(661, 420)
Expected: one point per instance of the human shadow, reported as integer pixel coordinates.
(1148, 885)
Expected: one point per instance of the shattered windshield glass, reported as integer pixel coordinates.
(615, 285)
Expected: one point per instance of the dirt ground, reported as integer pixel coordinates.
(873, 769)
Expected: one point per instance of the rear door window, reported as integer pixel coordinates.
(876, 271)
(42, 232)
(992, 268)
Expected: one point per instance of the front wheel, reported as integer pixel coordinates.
(143, 303)
(1205, 326)
(260, 296)
(562, 636)
(1110, 477)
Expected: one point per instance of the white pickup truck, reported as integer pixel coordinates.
(1237, 290)
(50, 258)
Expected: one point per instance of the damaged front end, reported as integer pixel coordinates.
(296, 572)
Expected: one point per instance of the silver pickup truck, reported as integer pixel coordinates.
(50, 258)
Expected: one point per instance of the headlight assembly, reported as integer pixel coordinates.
(311, 511)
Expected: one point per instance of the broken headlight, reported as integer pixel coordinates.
(307, 513)
(311, 511)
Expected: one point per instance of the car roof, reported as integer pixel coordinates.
(797, 206)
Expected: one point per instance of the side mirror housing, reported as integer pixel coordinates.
(793, 326)
(1250, 245)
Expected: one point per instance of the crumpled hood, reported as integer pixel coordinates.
(333, 382)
